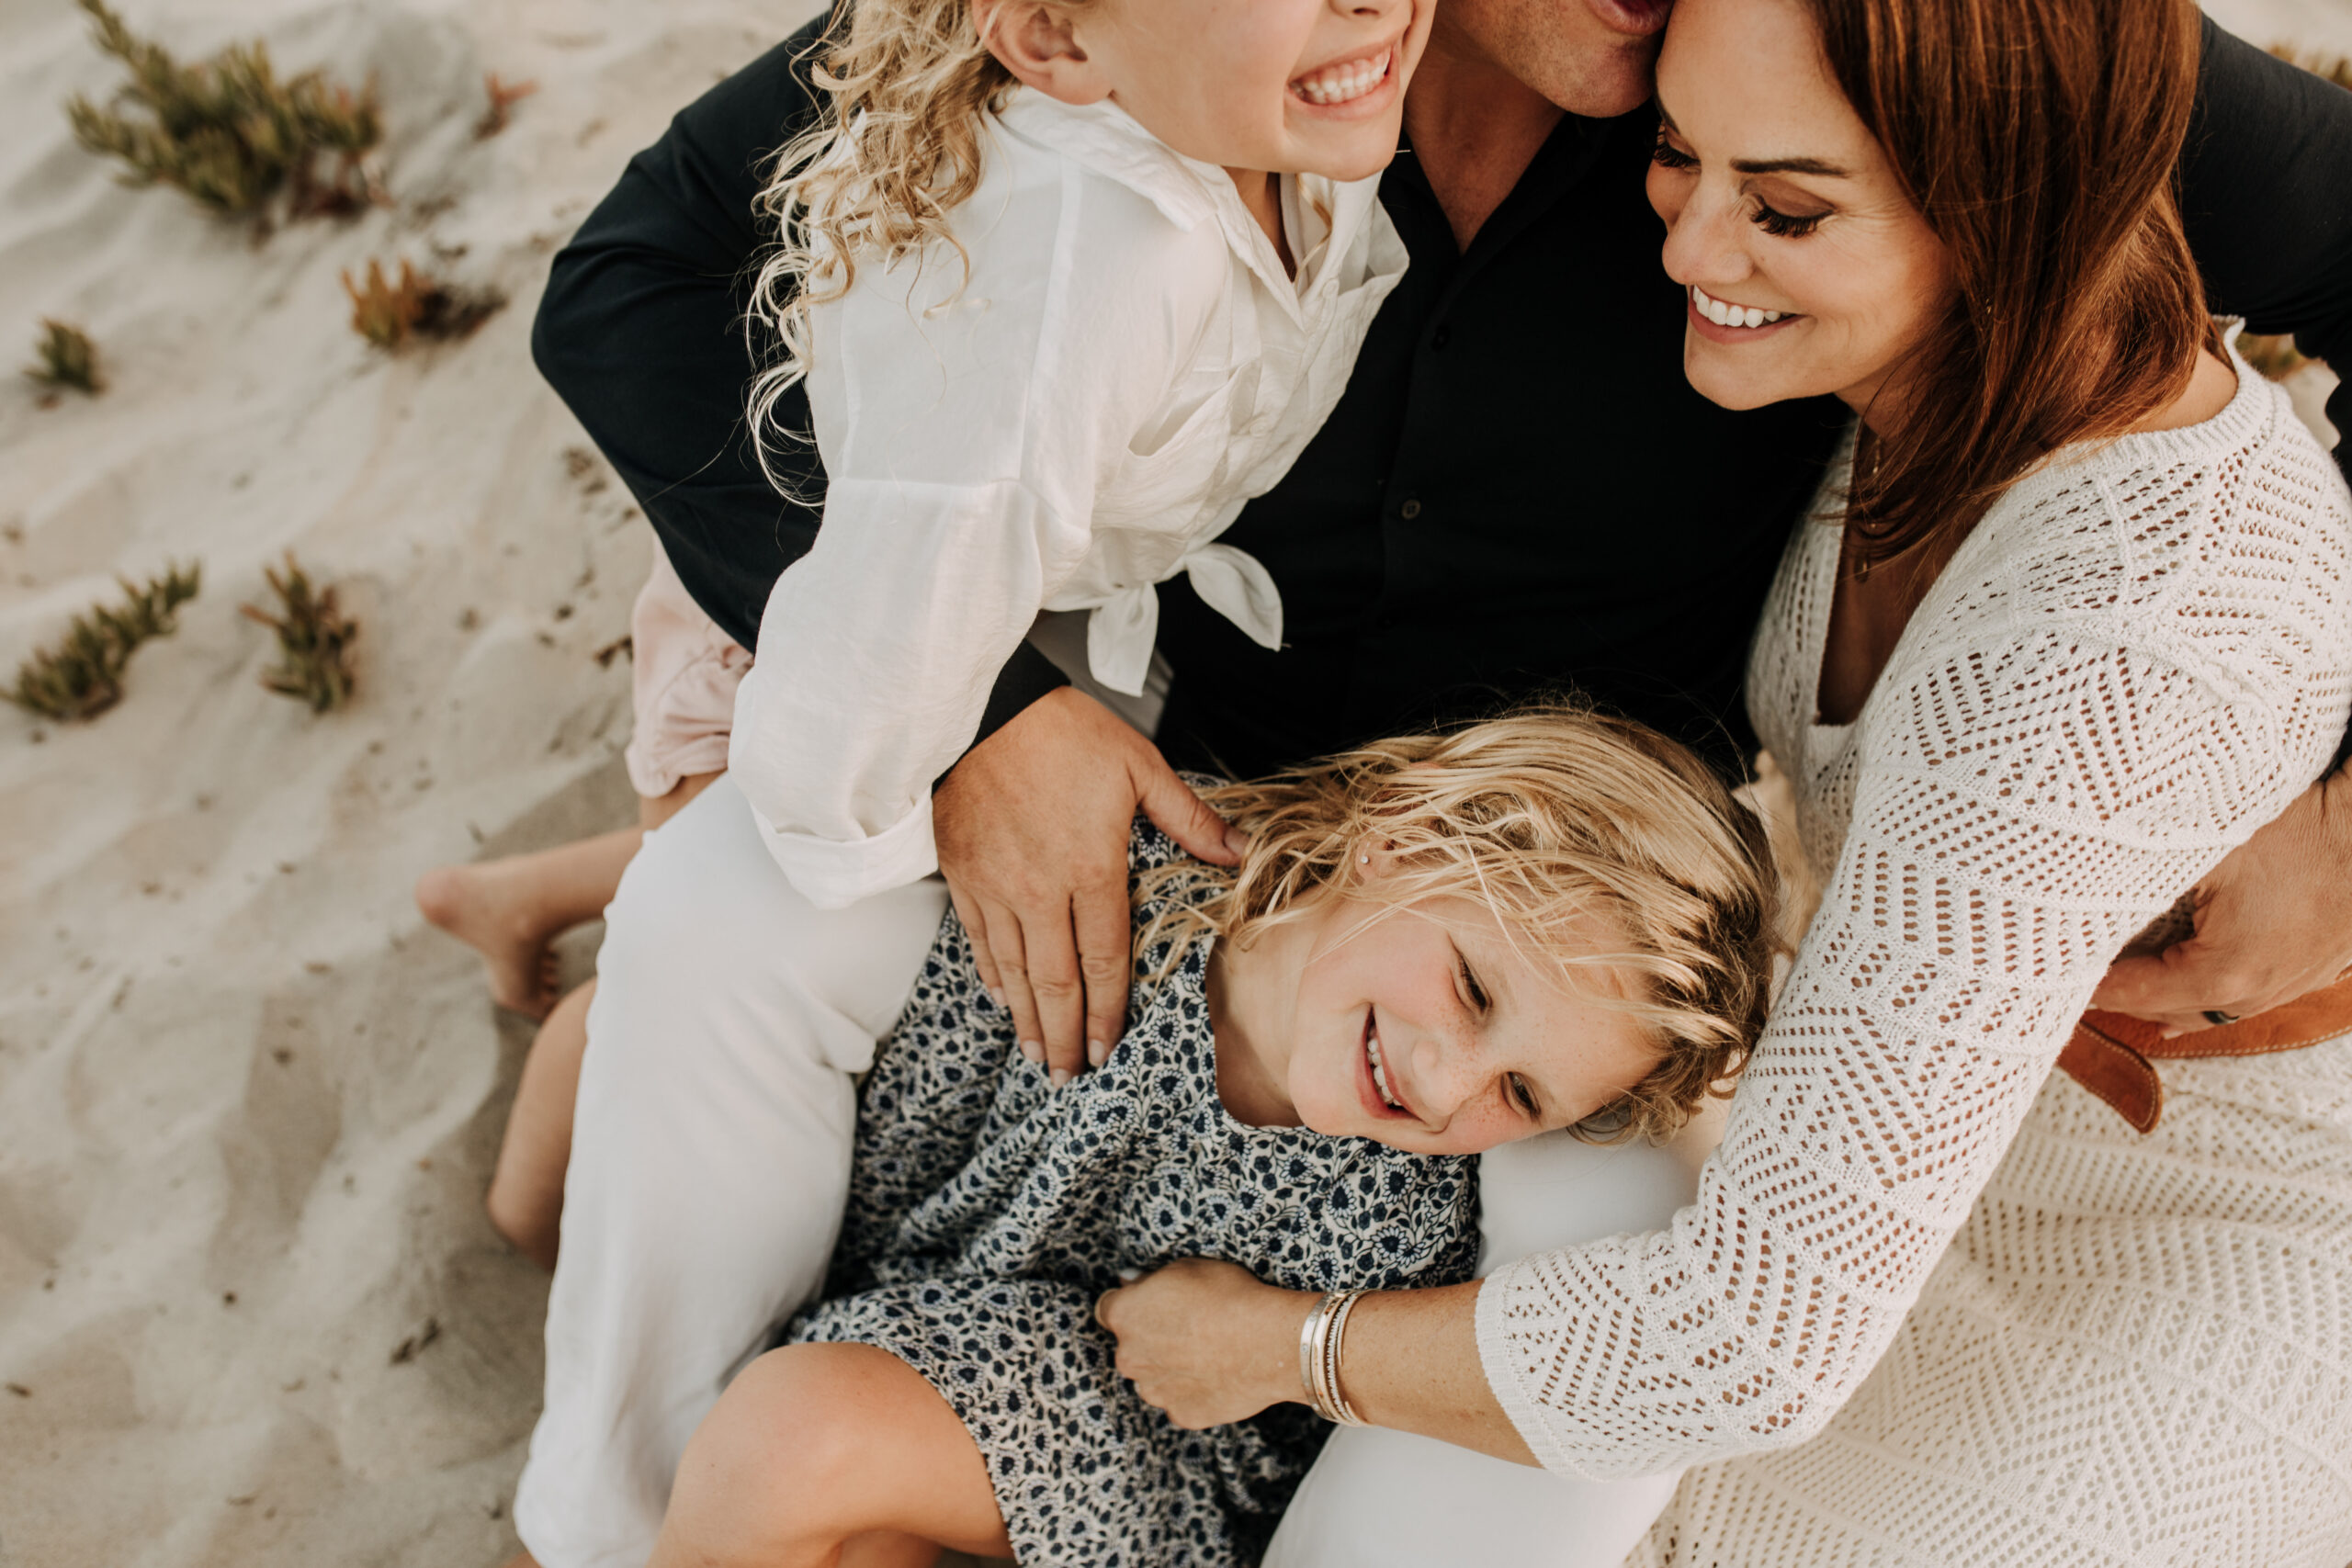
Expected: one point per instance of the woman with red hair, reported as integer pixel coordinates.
(2071, 619)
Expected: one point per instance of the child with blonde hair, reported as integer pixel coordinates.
(1434, 946)
(1066, 283)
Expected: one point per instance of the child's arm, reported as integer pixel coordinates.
(640, 332)
(974, 428)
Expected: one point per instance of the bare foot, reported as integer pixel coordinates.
(508, 910)
(494, 911)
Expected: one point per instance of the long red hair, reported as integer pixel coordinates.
(2039, 139)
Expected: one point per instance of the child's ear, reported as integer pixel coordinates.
(1036, 40)
(1375, 858)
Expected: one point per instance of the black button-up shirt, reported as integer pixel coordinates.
(1518, 492)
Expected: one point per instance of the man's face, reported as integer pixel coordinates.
(1591, 57)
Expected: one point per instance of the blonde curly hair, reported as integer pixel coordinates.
(1548, 816)
(895, 150)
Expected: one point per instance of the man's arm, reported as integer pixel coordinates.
(2263, 182)
(2263, 192)
(642, 330)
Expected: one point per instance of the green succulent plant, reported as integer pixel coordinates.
(81, 677)
(67, 359)
(227, 131)
(314, 640)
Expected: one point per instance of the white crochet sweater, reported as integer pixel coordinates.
(2142, 654)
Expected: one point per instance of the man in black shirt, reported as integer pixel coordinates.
(1518, 492)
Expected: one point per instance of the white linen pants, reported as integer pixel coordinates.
(710, 1160)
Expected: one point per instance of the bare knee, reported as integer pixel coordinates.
(525, 1219)
(782, 1468)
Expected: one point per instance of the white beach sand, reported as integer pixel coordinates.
(250, 1311)
(248, 1102)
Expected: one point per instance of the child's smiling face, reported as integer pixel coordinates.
(1285, 87)
(1423, 1026)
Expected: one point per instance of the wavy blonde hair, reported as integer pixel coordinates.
(895, 150)
(1550, 816)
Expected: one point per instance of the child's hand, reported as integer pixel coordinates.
(1208, 1343)
(1031, 828)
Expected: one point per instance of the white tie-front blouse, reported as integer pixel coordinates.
(1077, 419)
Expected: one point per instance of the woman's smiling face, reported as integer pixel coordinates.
(1424, 1027)
(1806, 270)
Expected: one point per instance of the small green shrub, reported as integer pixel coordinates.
(314, 640)
(68, 358)
(82, 676)
(2274, 357)
(227, 131)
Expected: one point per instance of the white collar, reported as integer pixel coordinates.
(1104, 138)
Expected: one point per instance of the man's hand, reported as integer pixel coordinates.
(2274, 921)
(1207, 1342)
(1031, 828)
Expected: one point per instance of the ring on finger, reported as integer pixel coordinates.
(2219, 1018)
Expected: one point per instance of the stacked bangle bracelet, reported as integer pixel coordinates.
(1319, 1358)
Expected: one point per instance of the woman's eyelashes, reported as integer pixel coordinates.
(1787, 225)
(1771, 220)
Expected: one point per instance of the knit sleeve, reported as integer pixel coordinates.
(2133, 672)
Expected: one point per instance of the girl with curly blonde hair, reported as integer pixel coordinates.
(1435, 946)
(1065, 283)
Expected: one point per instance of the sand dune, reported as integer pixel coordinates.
(249, 1309)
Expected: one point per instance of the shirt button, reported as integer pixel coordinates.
(1441, 337)
(1409, 511)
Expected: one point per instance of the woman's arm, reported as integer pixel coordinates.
(1957, 944)
(2263, 183)
(1991, 867)
(1209, 1343)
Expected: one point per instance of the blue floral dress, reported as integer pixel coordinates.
(986, 1212)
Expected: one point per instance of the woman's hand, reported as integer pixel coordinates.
(1208, 1343)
